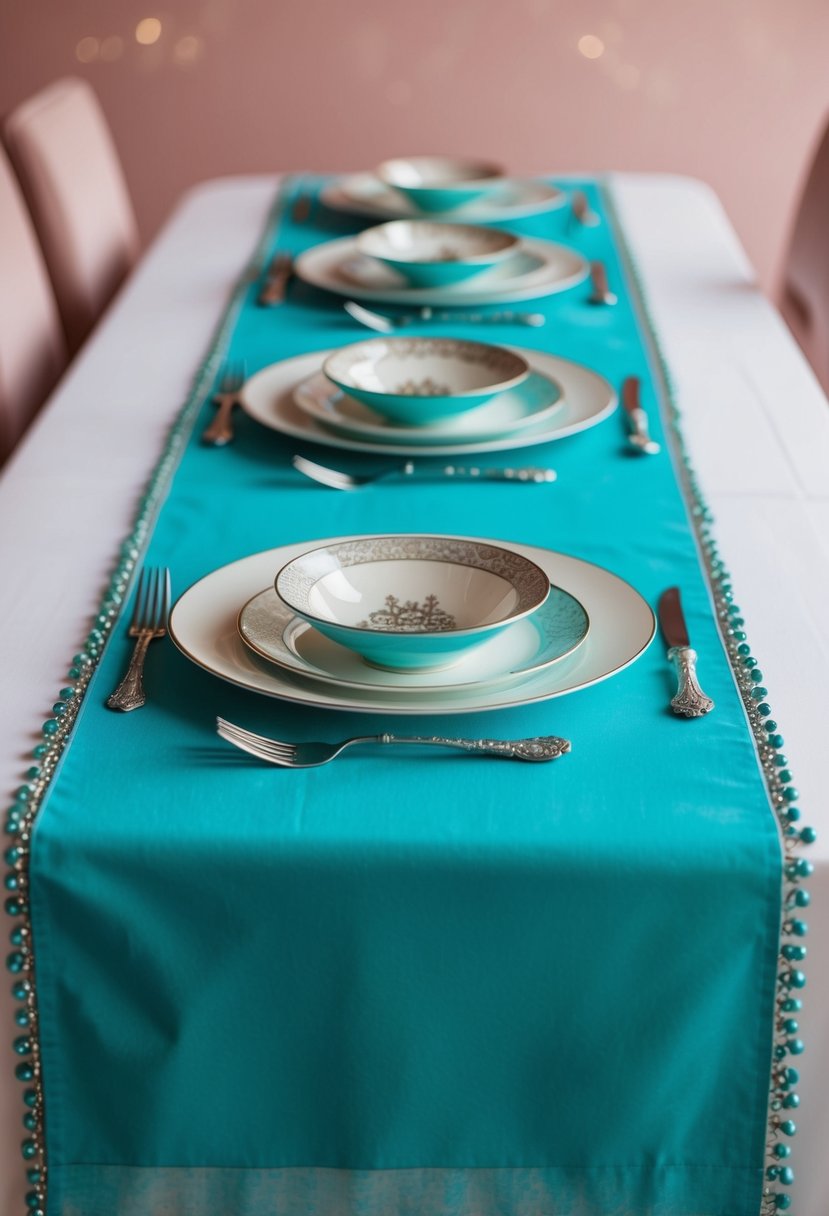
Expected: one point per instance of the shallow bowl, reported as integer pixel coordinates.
(441, 183)
(429, 254)
(411, 603)
(418, 381)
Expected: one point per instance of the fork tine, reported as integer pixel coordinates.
(140, 599)
(158, 600)
(321, 473)
(165, 604)
(249, 740)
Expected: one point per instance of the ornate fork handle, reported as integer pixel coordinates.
(690, 701)
(528, 473)
(130, 692)
(542, 747)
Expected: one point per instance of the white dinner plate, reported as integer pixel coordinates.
(533, 401)
(541, 268)
(555, 631)
(365, 194)
(203, 626)
(268, 397)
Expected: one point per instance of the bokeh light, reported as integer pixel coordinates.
(87, 50)
(148, 31)
(188, 49)
(591, 46)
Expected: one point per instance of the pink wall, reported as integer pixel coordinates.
(732, 91)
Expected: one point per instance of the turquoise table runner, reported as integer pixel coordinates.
(447, 985)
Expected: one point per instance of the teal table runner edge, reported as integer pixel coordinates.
(58, 730)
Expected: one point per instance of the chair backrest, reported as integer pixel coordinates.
(804, 291)
(32, 352)
(66, 160)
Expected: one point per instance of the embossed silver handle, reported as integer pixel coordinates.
(690, 701)
(130, 692)
(640, 437)
(529, 473)
(542, 747)
(220, 430)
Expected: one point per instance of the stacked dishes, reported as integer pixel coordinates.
(412, 624)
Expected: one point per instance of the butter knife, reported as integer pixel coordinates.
(690, 701)
(638, 436)
(276, 280)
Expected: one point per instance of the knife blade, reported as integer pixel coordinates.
(639, 437)
(689, 701)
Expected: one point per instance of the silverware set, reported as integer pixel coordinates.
(412, 472)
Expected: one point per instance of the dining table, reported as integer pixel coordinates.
(149, 924)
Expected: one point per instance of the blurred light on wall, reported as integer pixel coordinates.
(590, 46)
(112, 48)
(148, 31)
(188, 49)
(87, 50)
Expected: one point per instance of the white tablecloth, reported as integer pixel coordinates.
(758, 429)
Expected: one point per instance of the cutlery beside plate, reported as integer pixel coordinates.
(689, 700)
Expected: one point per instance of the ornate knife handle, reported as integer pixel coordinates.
(529, 473)
(130, 692)
(690, 701)
(220, 430)
(542, 747)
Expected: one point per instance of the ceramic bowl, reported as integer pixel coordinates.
(441, 183)
(429, 254)
(418, 381)
(411, 603)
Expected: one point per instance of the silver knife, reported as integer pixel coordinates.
(690, 701)
(276, 280)
(638, 436)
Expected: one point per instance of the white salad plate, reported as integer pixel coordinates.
(365, 194)
(549, 635)
(532, 402)
(203, 625)
(540, 268)
(268, 397)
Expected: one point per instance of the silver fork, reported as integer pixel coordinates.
(384, 324)
(220, 430)
(337, 480)
(149, 621)
(313, 754)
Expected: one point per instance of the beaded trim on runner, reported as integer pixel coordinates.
(769, 744)
(57, 728)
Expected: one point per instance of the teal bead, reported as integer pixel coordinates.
(749, 662)
(796, 1046)
(780, 760)
(32, 1199)
(772, 1172)
(12, 855)
(743, 649)
(788, 1127)
(59, 709)
(80, 660)
(808, 835)
(764, 709)
(15, 962)
(29, 1121)
(22, 1019)
(802, 898)
(758, 693)
(790, 1026)
(17, 937)
(14, 906)
(25, 1072)
(73, 673)
(792, 1004)
(785, 776)
(779, 1052)
(23, 793)
(12, 881)
(792, 813)
(20, 990)
(11, 827)
(737, 620)
(787, 1175)
(739, 635)
(782, 1150)
(67, 693)
(29, 1150)
(39, 751)
(770, 725)
(33, 771)
(22, 1046)
(30, 1097)
(794, 953)
(777, 741)
(50, 726)
(757, 676)
(782, 1202)
(790, 794)
(791, 1101)
(33, 1176)
(804, 868)
(799, 928)
(796, 979)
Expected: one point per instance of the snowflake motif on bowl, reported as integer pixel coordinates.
(410, 617)
(423, 388)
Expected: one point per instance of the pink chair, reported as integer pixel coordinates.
(804, 291)
(62, 149)
(32, 352)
